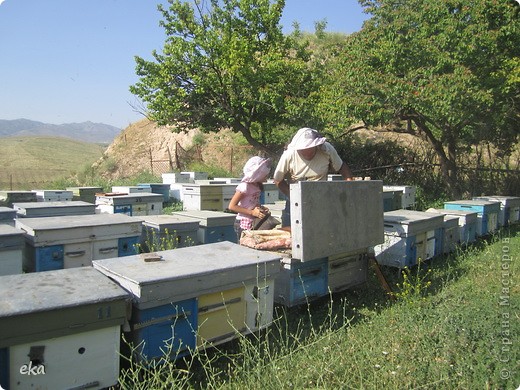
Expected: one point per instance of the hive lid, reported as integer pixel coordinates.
(170, 222)
(506, 201)
(188, 272)
(209, 218)
(40, 305)
(414, 222)
(10, 237)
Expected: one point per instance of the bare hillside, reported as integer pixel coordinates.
(144, 146)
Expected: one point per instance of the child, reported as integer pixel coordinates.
(246, 201)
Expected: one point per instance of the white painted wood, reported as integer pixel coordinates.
(70, 361)
(259, 296)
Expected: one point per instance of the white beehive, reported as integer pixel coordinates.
(53, 195)
(64, 325)
(130, 204)
(11, 250)
(467, 223)
(204, 195)
(53, 209)
(7, 215)
(131, 189)
(270, 194)
(408, 197)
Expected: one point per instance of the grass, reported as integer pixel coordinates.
(459, 332)
(33, 162)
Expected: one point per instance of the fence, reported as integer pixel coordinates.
(229, 157)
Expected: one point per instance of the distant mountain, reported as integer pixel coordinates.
(86, 131)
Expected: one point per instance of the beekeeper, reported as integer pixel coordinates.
(308, 157)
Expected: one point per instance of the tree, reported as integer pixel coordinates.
(226, 63)
(440, 70)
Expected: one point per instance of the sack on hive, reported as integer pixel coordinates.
(266, 239)
(267, 223)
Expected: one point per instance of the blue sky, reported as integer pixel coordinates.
(64, 61)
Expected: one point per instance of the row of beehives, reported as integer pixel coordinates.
(184, 299)
(175, 294)
(412, 236)
(198, 193)
(193, 189)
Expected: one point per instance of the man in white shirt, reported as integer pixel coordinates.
(308, 157)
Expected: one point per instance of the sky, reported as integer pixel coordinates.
(66, 61)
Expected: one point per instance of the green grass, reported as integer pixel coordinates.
(460, 332)
(32, 162)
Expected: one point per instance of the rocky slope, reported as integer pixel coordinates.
(133, 149)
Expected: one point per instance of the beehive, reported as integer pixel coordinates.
(204, 290)
(63, 325)
(74, 241)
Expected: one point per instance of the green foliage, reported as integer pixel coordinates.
(163, 241)
(361, 340)
(226, 64)
(414, 285)
(171, 207)
(109, 165)
(437, 70)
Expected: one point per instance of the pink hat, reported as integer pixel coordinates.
(256, 169)
(306, 138)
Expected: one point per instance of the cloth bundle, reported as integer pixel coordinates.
(266, 239)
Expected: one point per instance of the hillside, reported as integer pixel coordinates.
(27, 162)
(85, 131)
(144, 146)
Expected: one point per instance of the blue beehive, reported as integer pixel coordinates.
(300, 282)
(214, 226)
(509, 208)
(410, 236)
(487, 213)
(158, 188)
(173, 231)
(187, 298)
(133, 204)
(74, 241)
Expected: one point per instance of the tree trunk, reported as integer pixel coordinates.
(449, 169)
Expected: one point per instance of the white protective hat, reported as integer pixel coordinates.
(306, 138)
(256, 169)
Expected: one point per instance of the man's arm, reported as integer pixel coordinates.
(346, 172)
(283, 186)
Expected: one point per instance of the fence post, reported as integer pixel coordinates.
(231, 161)
(151, 161)
(177, 162)
(169, 158)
